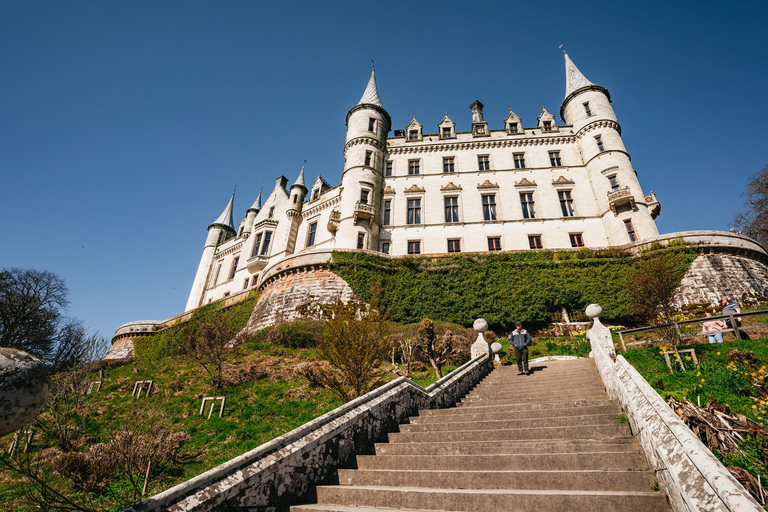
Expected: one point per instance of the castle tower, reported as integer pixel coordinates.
(219, 231)
(297, 193)
(251, 213)
(626, 212)
(364, 155)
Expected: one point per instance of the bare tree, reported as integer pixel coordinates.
(438, 348)
(754, 219)
(208, 345)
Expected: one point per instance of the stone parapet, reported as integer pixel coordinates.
(281, 472)
(687, 471)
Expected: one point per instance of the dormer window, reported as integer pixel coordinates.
(446, 131)
(547, 126)
(512, 127)
(371, 124)
(413, 135)
(315, 193)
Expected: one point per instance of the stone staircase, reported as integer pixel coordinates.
(548, 441)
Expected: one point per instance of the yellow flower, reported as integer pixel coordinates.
(718, 353)
(698, 374)
(687, 358)
(754, 407)
(702, 380)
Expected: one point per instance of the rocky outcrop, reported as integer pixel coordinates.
(24, 389)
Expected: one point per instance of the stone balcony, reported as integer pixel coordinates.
(364, 211)
(256, 263)
(654, 207)
(620, 197)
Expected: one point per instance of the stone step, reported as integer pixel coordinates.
(523, 382)
(605, 461)
(435, 426)
(539, 433)
(614, 409)
(535, 406)
(534, 392)
(489, 500)
(342, 508)
(529, 398)
(585, 480)
(509, 447)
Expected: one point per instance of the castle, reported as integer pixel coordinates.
(513, 188)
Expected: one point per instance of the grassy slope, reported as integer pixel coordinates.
(729, 384)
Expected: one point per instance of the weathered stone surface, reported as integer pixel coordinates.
(686, 470)
(281, 472)
(121, 349)
(24, 389)
(720, 274)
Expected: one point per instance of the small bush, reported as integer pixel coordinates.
(296, 333)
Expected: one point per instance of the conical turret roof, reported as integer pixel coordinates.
(371, 94)
(300, 180)
(257, 203)
(225, 219)
(574, 79)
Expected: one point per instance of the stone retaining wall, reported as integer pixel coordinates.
(283, 471)
(718, 274)
(690, 475)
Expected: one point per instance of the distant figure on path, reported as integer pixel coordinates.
(714, 325)
(520, 340)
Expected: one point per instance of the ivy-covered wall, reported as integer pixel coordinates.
(527, 286)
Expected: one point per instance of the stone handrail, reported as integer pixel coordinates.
(282, 471)
(690, 475)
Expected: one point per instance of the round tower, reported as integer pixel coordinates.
(251, 213)
(364, 152)
(626, 211)
(218, 231)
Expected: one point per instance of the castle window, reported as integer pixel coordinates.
(599, 141)
(364, 196)
(547, 126)
(388, 171)
(451, 209)
(534, 242)
(385, 247)
(315, 193)
(216, 274)
(483, 163)
(413, 167)
(566, 203)
(312, 234)
(454, 245)
(413, 135)
(526, 200)
(295, 198)
(554, 159)
(630, 230)
(519, 160)
(267, 240)
(512, 127)
(448, 164)
(387, 212)
(587, 109)
(361, 240)
(414, 211)
(576, 240)
(414, 247)
(614, 183)
(234, 268)
(271, 212)
(245, 283)
(446, 131)
(256, 245)
(371, 125)
(489, 206)
(368, 158)
(494, 243)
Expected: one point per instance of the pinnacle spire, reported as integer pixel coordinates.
(574, 79)
(257, 203)
(371, 94)
(300, 180)
(225, 219)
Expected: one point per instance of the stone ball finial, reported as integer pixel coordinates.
(496, 347)
(24, 389)
(480, 325)
(594, 311)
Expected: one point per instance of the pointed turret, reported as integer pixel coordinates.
(574, 79)
(225, 219)
(371, 94)
(300, 180)
(257, 203)
(250, 215)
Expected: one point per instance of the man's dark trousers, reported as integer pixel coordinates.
(521, 354)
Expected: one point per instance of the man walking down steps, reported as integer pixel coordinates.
(551, 442)
(519, 339)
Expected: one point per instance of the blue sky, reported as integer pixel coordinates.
(125, 125)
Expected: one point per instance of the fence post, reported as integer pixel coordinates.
(735, 327)
(623, 346)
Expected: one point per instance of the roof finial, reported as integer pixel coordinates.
(562, 47)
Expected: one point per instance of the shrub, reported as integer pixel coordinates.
(296, 333)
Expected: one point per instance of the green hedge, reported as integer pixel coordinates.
(166, 342)
(500, 287)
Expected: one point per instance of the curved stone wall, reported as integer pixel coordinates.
(721, 273)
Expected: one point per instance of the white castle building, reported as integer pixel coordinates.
(554, 186)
